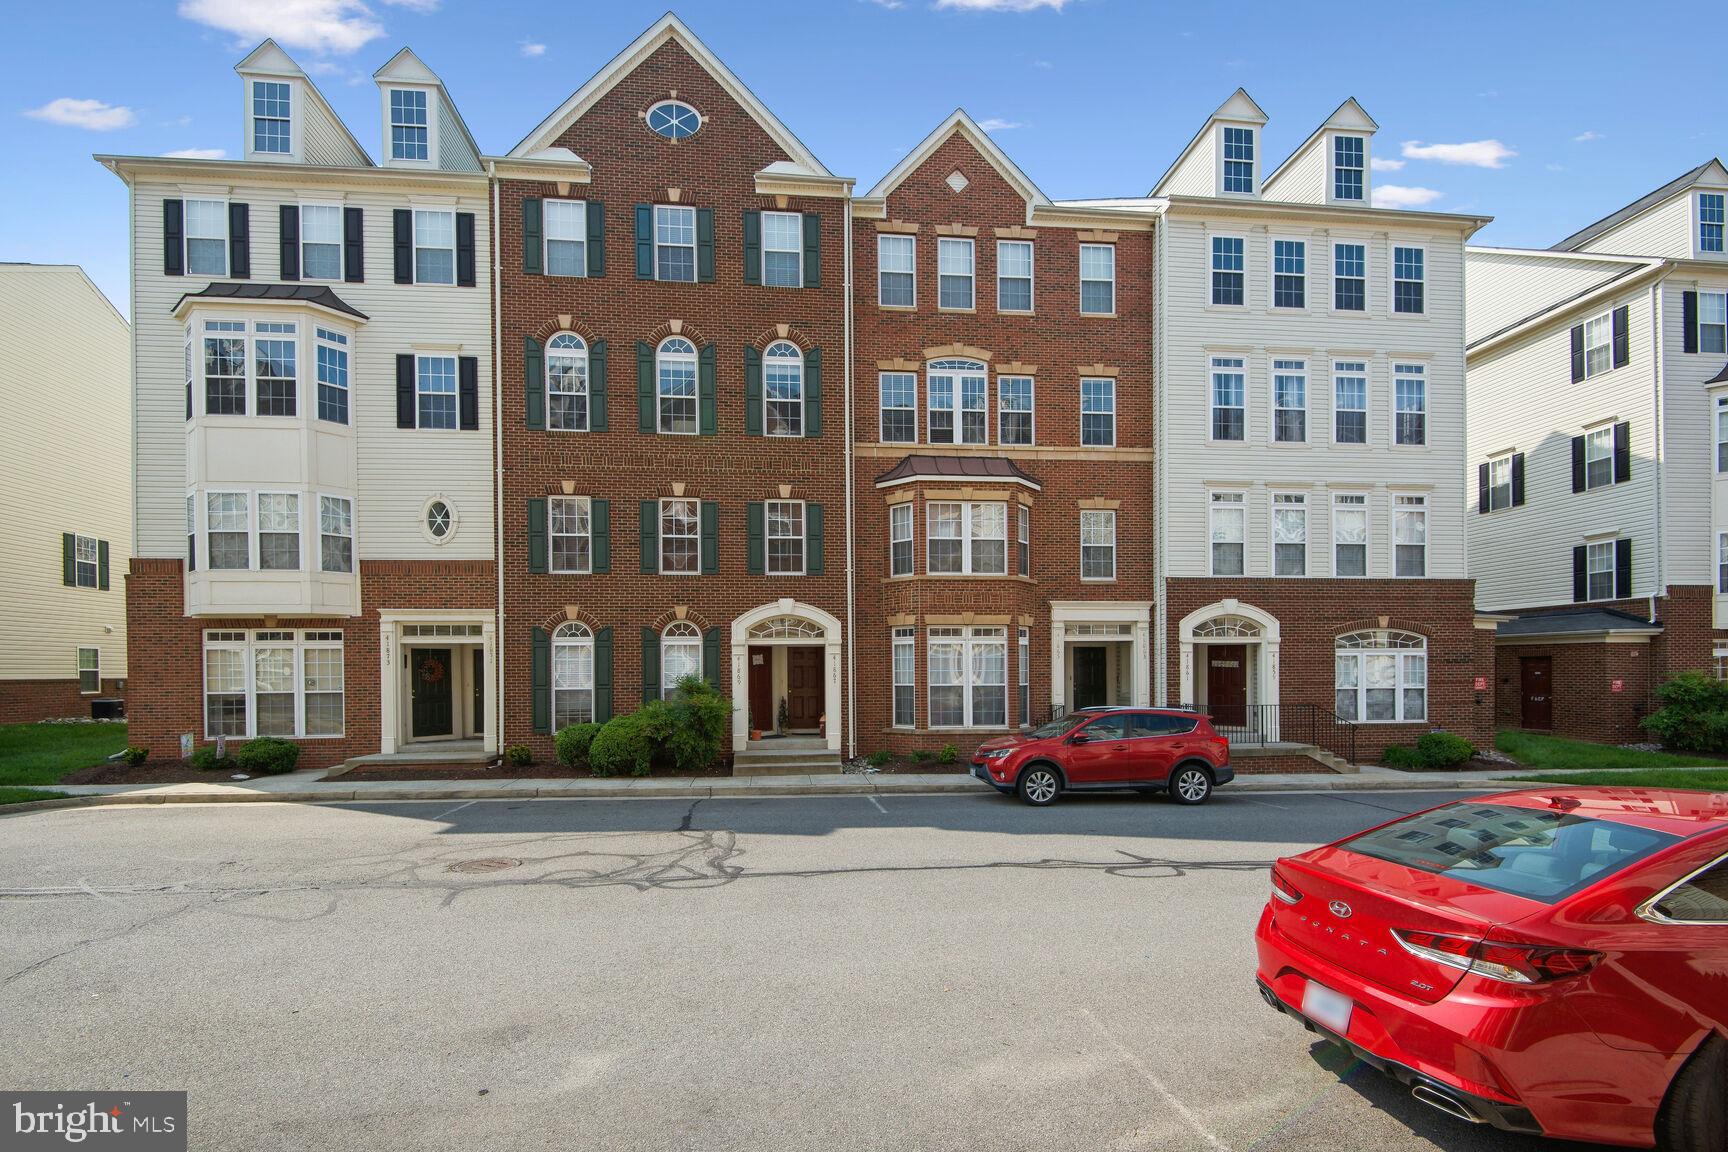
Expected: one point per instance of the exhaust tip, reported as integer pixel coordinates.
(1445, 1102)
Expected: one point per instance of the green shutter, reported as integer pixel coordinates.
(706, 419)
(597, 386)
(534, 383)
(541, 680)
(69, 560)
(644, 387)
(705, 245)
(603, 675)
(648, 540)
(533, 237)
(814, 544)
(537, 536)
(752, 392)
(755, 538)
(812, 250)
(711, 657)
(102, 565)
(600, 526)
(710, 537)
(596, 238)
(813, 392)
(752, 247)
(650, 665)
(644, 241)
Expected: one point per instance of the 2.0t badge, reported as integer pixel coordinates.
(1340, 909)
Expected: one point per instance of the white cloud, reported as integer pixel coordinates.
(1043, 64)
(415, 5)
(1474, 153)
(91, 114)
(1386, 164)
(198, 154)
(1001, 5)
(321, 25)
(1586, 136)
(1398, 196)
(1555, 167)
(997, 124)
(530, 48)
(891, 5)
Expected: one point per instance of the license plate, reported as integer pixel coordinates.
(1327, 1008)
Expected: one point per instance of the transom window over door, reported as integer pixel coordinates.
(567, 383)
(958, 389)
(954, 272)
(1382, 677)
(783, 389)
(674, 243)
(677, 386)
(572, 676)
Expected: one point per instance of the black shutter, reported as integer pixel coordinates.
(468, 393)
(240, 241)
(1620, 319)
(1517, 479)
(812, 250)
(354, 245)
(533, 383)
(289, 230)
(102, 565)
(1577, 353)
(1577, 463)
(541, 680)
(597, 386)
(648, 535)
(174, 237)
(537, 541)
(644, 241)
(644, 387)
(603, 675)
(404, 390)
(705, 245)
(403, 221)
(752, 247)
(1482, 488)
(1622, 569)
(752, 392)
(1622, 452)
(710, 537)
(1689, 321)
(650, 665)
(465, 249)
(596, 238)
(533, 238)
(600, 530)
(815, 542)
(707, 421)
(755, 538)
(1580, 574)
(813, 392)
(69, 559)
(711, 657)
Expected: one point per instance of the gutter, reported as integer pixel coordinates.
(498, 460)
(851, 568)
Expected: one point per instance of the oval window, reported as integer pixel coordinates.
(438, 519)
(674, 119)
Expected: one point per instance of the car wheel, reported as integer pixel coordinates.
(1039, 785)
(1694, 1118)
(1190, 784)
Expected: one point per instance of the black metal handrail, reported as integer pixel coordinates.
(1263, 724)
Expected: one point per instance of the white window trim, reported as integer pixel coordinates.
(293, 155)
(1113, 412)
(577, 640)
(455, 377)
(1082, 280)
(78, 538)
(78, 667)
(797, 248)
(246, 645)
(1393, 280)
(546, 239)
(1698, 333)
(1272, 506)
(414, 211)
(1273, 372)
(882, 410)
(967, 507)
(1212, 369)
(186, 239)
(1110, 512)
(1031, 278)
(1698, 249)
(683, 639)
(1212, 269)
(1400, 684)
(911, 538)
(1332, 169)
(251, 528)
(258, 529)
(582, 355)
(389, 152)
(1212, 506)
(341, 247)
(694, 246)
(1254, 164)
(803, 395)
(1367, 377)
(1272, 273)
(880, 272)
(1603, 429)
(1332, 276)
(899, 638)
(1031, 413)
(694, 356)
(353, 532)
(968, 638)
(1606, 320)
(1496, 462)
(1427, 544)
(321, 334)
(660, 536)
(1367, 509)
(971, 277)
(426, 512)
(552, 552)
(768, 537)
(1611, 545)
(1393, 363)
(978, 370)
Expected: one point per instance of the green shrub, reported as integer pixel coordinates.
(135, 755)
(1442, 750)
(573, 742)
(880, 757)
(1693, 716)
(948, 755)
(919, 755)
(623, 745)
(519, 755)
(1399, 756)
(267, 756)
(701, 718)
(204, 758)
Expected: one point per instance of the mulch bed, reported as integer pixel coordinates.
(537, 771)
(903, 764)
(149, 772)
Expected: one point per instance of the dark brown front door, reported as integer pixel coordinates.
(762, 689)
(1536, 682)
(804, 694)
(432, 710)
(1227, 684)
(1090, 681)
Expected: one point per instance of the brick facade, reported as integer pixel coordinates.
(28, 701)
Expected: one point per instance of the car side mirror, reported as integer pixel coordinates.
(1079, 738)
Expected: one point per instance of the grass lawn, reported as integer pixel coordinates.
(1710, 780)
(25, 795)
(1535, 751)
(43, 753)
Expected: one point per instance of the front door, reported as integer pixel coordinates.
(1536, 681)
(430, 685)
(479, 691)
(804, 688)
(1091, 683)
(761, 689)
(1227, 684)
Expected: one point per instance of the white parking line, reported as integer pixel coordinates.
(452, 811)
(878, 804)
(1169, 1097)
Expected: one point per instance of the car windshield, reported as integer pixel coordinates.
(1543, 854)
(1060, 726)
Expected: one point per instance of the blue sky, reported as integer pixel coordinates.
(1569, 109)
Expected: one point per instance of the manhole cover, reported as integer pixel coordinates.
(488, 864)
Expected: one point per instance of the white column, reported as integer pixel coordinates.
(1058, 663)
(489, 690)
(387, 695)
(831, 700)
(740, 697)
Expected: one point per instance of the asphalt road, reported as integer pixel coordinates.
(918, 973)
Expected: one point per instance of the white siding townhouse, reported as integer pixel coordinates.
(1598, 383)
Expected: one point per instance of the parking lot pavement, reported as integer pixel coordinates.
(854, 972)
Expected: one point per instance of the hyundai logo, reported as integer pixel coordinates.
(1340, 909)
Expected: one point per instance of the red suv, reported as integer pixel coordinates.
(1551, 962)
(1109, 749)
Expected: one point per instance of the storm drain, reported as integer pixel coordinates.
(485, 864)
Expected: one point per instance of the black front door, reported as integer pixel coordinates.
(431, 671)
(479, 691)
(1090, 680)
(1536, 682)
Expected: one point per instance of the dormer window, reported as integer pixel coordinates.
(408, 128)
(1347, 167)
(1239, 160)
(1710, 221)
(271, 131)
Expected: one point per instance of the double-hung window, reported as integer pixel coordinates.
(968, 677)
(1228, 515)
(783, 249)
(572, 675)
(1239, 160)
(785, 520)
(335, 534)
(1289, 534)
(279, 531)
(1598, 344)
(905, 646)
(1349, 534)
(206, 223)
(1023, 548)
(320, 242)
(680, 655)
(1228, 263)
(954, 272)
(1024, 659)
(570, 525)
(1713, 322)
(1410, 535)
(1229, 398)
(1014, 409)
(896, 270)
(1289, 401)
(272, 105)
(900, 539)
(1500, 483)
(674, 242)
(274, 359)
(1722, 434)
(1097, 544)
(676, 377)
(1382, 677)
(1289, 273)
(1347, 168)
(1599, 457)
(275, 682)
(958, 391)
(408, 126)
(1098, 279)
(565, 227)
(332, 355)
(899, 395)
(86, 561)
(1097, 411)
(966, 539)
(225, 368)
(680, 537)
(434, 246)
(435, 391)
(1721, 584)
(273, 704)
(228, 530)
(89, 671)
(1350, 402)
(1014, 275)
(1711, 217)
(1410, 395)
(1599, 570)
(1409, 280)
(567, 383)
(783, 389)
(1350, 277)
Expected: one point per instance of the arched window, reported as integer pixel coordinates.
(567, 383)
(676, 372)
(1382, 676)
(572, 675)
(958, 392)
(680, 655)
(783, 389)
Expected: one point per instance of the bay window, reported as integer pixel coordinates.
(900, 539)
(966, 539)
(968, 671)
(905, 649)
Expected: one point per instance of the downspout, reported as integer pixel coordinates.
(497, 459)
(851, 574)
(1160, 490)
(1661, 470)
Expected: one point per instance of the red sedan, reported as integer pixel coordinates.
(1551, 962)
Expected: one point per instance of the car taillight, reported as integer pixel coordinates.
(1283, 889)
(1499, 959)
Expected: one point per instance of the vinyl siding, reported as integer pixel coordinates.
(454, 155)
(1692, 516)
(1304, 180)
(1506, 286)
(1198, 174)
(1665, 230)
(65, 457)
(323, 142)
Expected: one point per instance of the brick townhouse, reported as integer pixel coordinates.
(672, 342)
(1002, 467)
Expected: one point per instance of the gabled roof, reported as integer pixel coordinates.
(1641, 205)
(1240, 108)
(321, 295)
(668, 27)
(1348, 117)
(268, 59)
(1630, 267)
(407, 68)
(959, 122)
(985, 468)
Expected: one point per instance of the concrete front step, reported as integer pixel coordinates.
(786, 758)
(789, 768)
(1244, 755)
